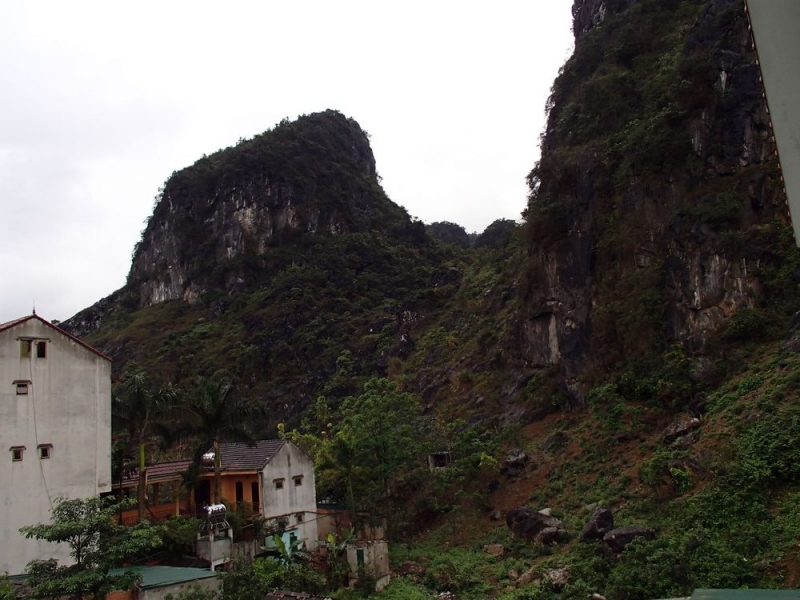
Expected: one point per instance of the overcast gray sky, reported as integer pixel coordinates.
(102, 101)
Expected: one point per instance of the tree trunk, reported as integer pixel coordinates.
(142, 496)
(217, 473)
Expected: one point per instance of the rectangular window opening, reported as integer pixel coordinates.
(279, 484)
(239, 492)
(45, 451)
(41, 349)
(22, 387)
(298, 479)
(299, 517)
(25, 348)
(16, 453)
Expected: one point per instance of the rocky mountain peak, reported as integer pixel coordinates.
(313, 176)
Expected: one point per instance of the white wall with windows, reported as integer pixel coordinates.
(55, 431)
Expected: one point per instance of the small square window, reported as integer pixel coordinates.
(299, 517)
(41, 349)
(22, 389)
(45, 451)
(25, 348)
(16, 453)
(279, 484)
(298, 479)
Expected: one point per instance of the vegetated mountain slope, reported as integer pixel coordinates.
(280, 264)
(654, 281)
(653, 317)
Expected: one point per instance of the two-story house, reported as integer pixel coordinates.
(275, 477)
(55, 431)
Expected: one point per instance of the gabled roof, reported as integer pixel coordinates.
(159, 472)
(15, 322)
(235, 456)
(241, 456)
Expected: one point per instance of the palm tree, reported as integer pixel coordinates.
(137, 409)
(214, 413)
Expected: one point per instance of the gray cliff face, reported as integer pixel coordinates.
(312, 177)
(588, 14)
(668, 239)
(251, 217)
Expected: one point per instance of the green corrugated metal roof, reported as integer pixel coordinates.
(746, 595)
(160, 576)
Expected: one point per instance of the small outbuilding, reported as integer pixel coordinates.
(157, 582)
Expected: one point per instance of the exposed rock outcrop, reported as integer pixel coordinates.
(531, 525)
(631, 230)
(617, 539)
(314, 176)
(599, 524)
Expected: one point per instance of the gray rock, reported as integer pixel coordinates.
(599, 524)
(494, 549)
(679, 429)
(551, 535)
(554, 442)
(516, 461)
(527, 524)
(617, 539)
(558, 577)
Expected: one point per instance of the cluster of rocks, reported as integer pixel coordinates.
(541, 527)
(536, 526)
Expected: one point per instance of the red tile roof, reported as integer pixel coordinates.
(235, 456)
(159, 472)
(241, 456)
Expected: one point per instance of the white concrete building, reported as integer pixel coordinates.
(277, 478)
(55, 431)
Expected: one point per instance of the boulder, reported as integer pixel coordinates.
(618, 538)
(516, 461)
(528, 524)
(527, 577)
(554, 443)
(558, 578)
(679, 429)
(551, 535)
(494, 549)
(600, 523)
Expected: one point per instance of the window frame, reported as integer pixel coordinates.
(45, 451)
(278, 483)
(298, 480)
(22, 384)
(17, 453)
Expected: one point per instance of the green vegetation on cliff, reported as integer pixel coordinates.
(649, 292)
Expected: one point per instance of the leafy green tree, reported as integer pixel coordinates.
(6, 589)
(379, 445)
(213, 413)
(97, 542)
(137, 409)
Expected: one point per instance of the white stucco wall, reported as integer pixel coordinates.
(68, 405)
(774, 25)
(288, 463)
